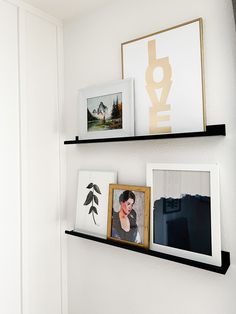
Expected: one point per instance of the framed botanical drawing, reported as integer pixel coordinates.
(128, 216)
(167, 68)
(92, 202)
(107, 110)
(185, 211)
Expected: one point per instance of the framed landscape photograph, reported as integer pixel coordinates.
(128, 215)
(92, 202)
(167, 67)
(107, 110)
(185, 211)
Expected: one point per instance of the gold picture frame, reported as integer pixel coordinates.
(128, 214)
(168, 70)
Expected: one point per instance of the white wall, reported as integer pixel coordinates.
(41, 245)
(105, 279)
(9, 163)
(30, 78)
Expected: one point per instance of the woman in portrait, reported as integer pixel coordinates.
(124, 224)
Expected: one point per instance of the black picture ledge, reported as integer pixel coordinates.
(211, 130)
(221, 270)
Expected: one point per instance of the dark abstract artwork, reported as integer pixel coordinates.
(183, 223)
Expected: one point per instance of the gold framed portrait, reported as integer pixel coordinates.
(128, 214)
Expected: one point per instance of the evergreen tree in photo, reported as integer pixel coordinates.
(115, 114)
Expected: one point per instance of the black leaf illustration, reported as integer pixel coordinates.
(95, 199)
(93, 209)
(92, 198)
(96, 188)
(90, 186)
(89, 198)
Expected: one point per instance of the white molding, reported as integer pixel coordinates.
(23, 11)
(24, 160)
(33, 10)
(21, 160)
(62, 173)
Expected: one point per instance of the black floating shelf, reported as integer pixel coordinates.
(225, 256)
(211, 130)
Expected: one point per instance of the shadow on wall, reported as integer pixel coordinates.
(234, 7)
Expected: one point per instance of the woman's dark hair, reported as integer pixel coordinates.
(126, 195)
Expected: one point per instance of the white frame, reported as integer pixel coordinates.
(84, 226)
(215, 258)
(163, 101)
(121, 86)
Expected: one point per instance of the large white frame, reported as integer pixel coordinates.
(120, 86)
(215, 258)
(167, 67)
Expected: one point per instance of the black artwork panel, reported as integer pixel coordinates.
(183, 223)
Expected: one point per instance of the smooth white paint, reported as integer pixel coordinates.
(10, 207)
(104, 279)
(67, 9)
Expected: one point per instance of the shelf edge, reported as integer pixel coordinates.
(211, 130)
(217, 269)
